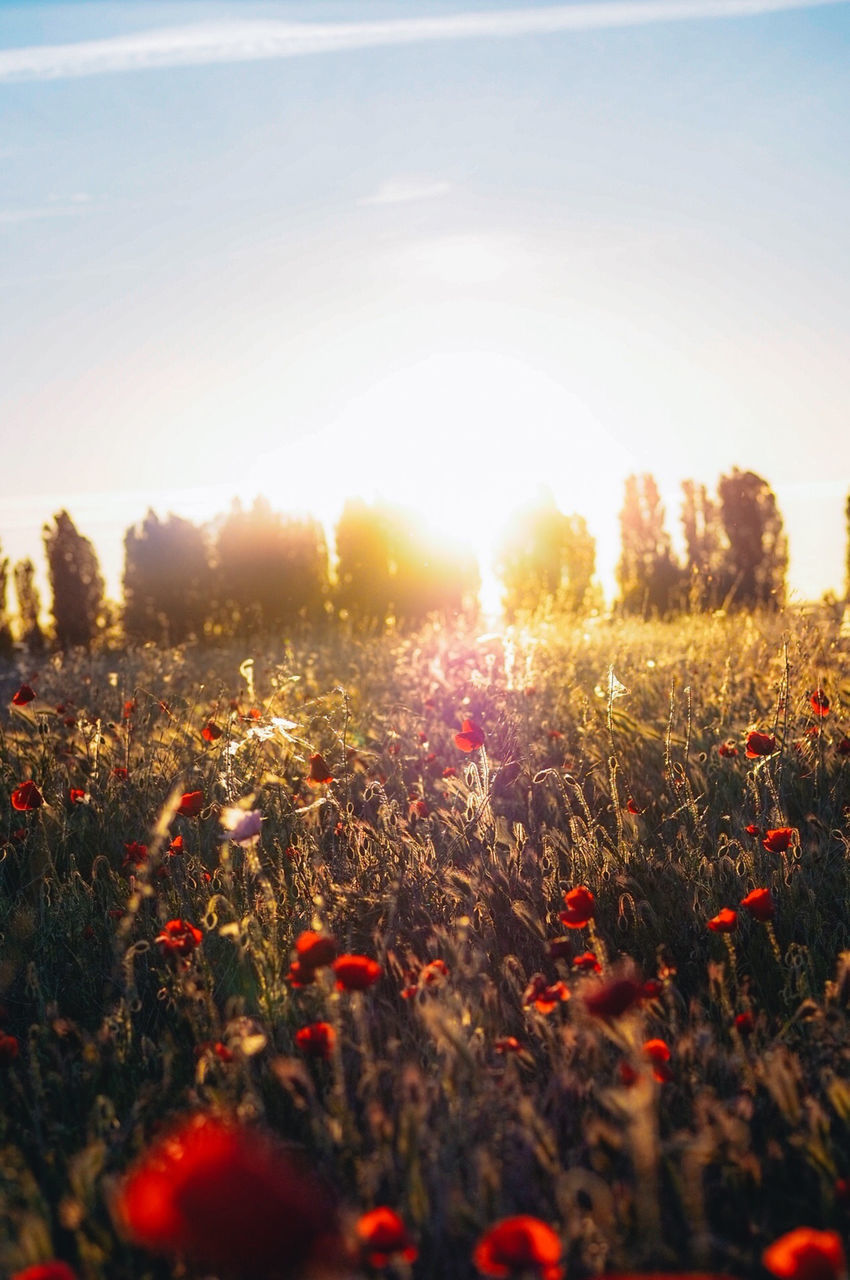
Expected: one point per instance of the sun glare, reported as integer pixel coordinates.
(462, 439)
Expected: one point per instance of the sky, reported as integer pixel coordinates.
(440, 253)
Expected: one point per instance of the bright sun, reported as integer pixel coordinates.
(462, 439)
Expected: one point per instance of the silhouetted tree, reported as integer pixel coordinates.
(650, 579)
(29, 606)
(5, 630)
(705, 546)
(75, 582)
(757, 556)
(167, 580)
(271, 571)
(427, 575)
(363, 564)
(545, 555)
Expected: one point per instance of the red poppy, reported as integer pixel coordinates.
(315, 950)
(543, 996)
(727, 748)
(216, 1048)
(760, 904)
(382, 1236)
(135, 854)
(588, 963)
(176, 847)
(581, 907)
(191, 804)
(779, 839)
(451, 772)
(317, 1040)
(46, 1271)
(753, 829)
(121, 772)
(819, 703)
(507, 1044)
(356, 973)
(24, 695)
(9, 1047)
(319, 770)
(179, 937)
(806, 1254)
(760, 744)
(612, 999)
(658, 1052)
(523, 1244)
(210, 732)
(633, 807)
(220, 1194)
(129, 708)
(744, 1022)
(76, 795)
(417, 808)
(27, 797)
(725, 921)
(434, 972)
(471, 736)
(651, 989)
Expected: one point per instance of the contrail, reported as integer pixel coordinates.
(248, 41)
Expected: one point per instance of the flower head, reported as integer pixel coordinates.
(27, 797)
(726, 921)
(316, 1040)
(319, 770)
(315, 950)
(581, 907)
(356, 973)
(24, 695)
(612, 999)
(522, 1243)
(658, 1053)
(46, 1271)
(727, 748)
(471, 736)
(226, 1197)
(806, 1254)
(819, 703)
(760, 744)
(759, 903)
(191, 804)
(779, 839)
(382, 1235)
(179, 937)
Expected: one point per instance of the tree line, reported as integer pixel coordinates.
(259, 571)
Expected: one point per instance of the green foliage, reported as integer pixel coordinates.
(757, 556)
(75, 582)
(650, 580)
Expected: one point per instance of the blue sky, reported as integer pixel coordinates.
(444, 267)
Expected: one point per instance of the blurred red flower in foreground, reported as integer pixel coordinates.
(191, 804)
(581, 907)
(543, 996)
(519, 1244)
(356, 973)
(27, 797)
(725, 921)
(760, 904)
(778, 840)
(210, 732)
(9, 1047)
(382, 1235)
(760, 744)
(319, 770)
(228, 1197)
(806, 1254)
(611, 999)
(317, 1040)
(179, 937)
(658, 1052)
(24, 695)
(315, 950)
(727, 748)
(46, 1271)
(819, 703)
(471, 736)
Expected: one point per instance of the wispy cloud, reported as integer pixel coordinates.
(12, 217)
(246, 41)
(405, 190)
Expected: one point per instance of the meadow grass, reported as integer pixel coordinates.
(599, 767)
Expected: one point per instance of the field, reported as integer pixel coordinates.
(663, 1085)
